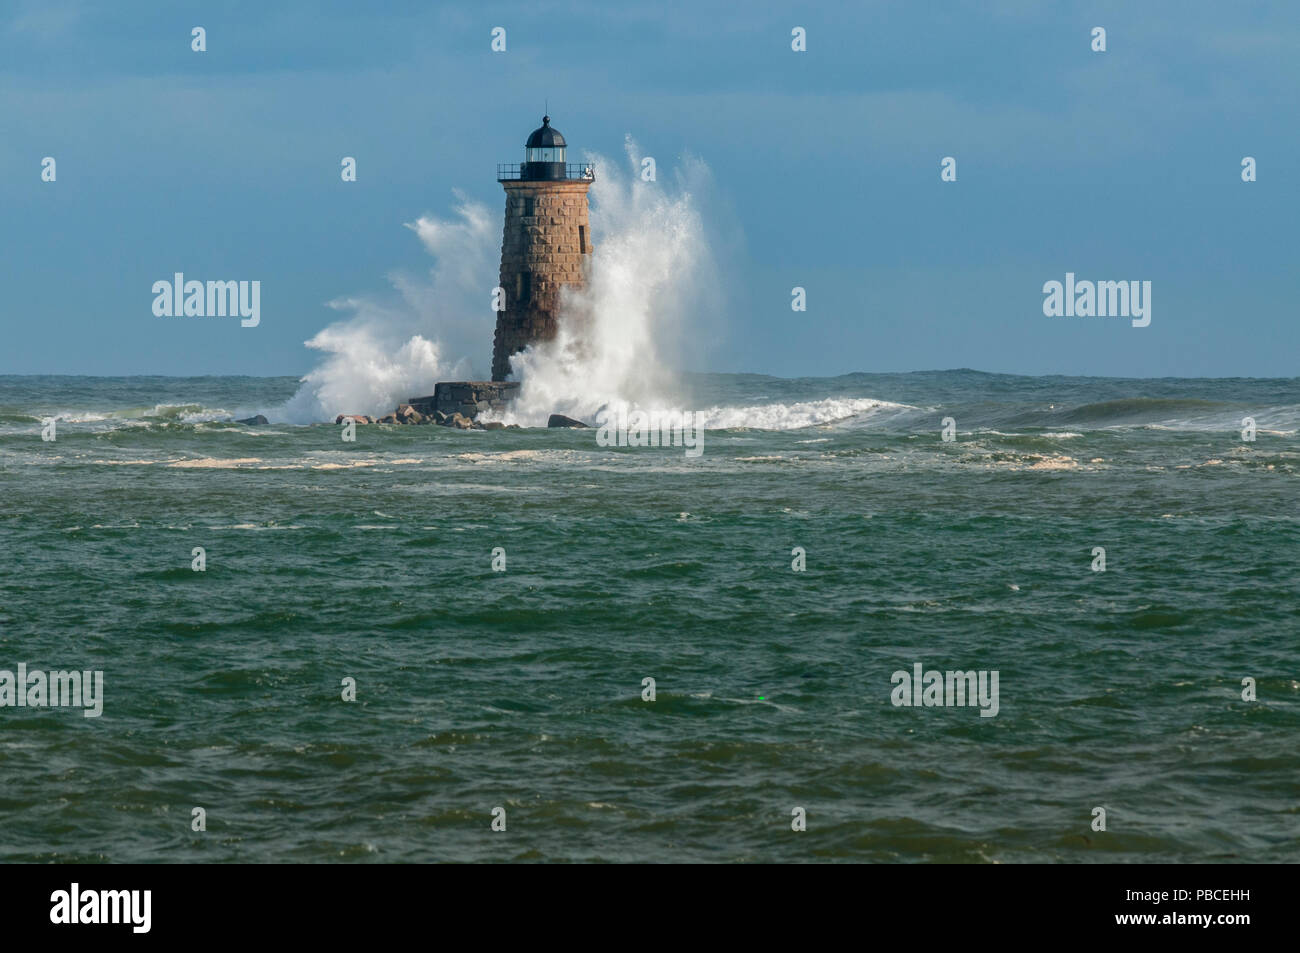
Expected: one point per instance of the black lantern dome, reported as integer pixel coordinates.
(544, 153)
(545, 137)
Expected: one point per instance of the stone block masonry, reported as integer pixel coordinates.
(468, 398)
(546, 245)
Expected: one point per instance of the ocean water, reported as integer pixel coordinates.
(522, 689)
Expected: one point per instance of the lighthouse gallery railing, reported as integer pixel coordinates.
(515, 170)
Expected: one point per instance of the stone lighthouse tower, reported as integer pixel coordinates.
(546, 244)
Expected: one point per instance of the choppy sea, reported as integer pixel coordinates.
(522, 689)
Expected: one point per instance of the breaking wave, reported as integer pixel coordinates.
(650, 300)
(388, 350)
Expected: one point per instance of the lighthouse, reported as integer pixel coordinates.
(546, 244)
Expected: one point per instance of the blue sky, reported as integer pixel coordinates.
(225, 164)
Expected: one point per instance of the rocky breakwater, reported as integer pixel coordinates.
(458, 404)
(452, 404)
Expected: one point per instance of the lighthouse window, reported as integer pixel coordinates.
(547, 154)
(529, 203)
(524, 288)
(582, 239)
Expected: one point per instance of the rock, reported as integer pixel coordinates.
(513, 427)
(425, 405)
(494, 425)
(406, 414)
(459, 421)
(559, 420)
(439, 417)
(388, 419)
(359, 418)
(256, 421)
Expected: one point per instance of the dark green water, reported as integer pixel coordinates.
(522, 689)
